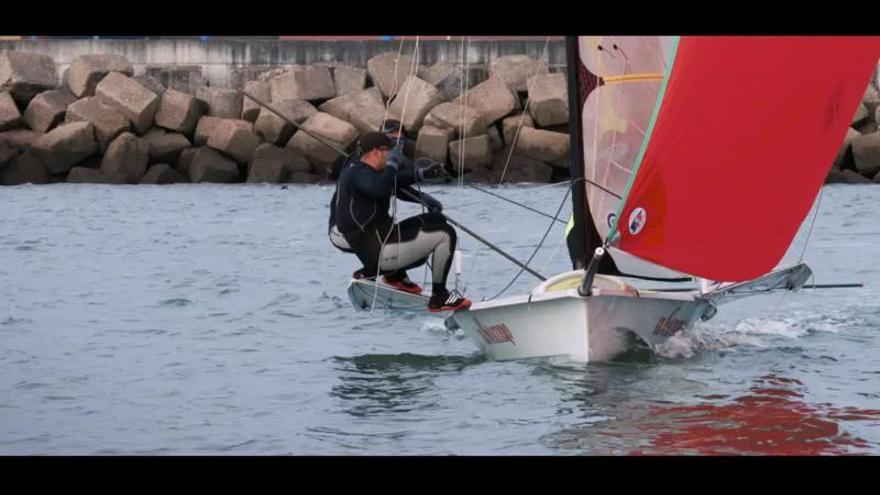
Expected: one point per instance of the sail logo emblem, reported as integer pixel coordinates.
(637, 220)
(494, 334)
(610, 219)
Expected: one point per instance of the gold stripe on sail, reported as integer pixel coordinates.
(631, 78)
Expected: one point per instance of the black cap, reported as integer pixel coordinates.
(391, 126)
(372, 140)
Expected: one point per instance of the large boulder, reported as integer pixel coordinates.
(47, 109)
(292, 160)
(518, 168)
(9, 114)
(337, 132)
(495, 137)
(464, 121)
(510, 125)
(436, 73)
(65, 146)
(853, 177)
(221, 102)
(546, 146)
(86, 71)
(866, 153)
(472, 153)
(92, 161)
(835, 176)
(179, 112)
(433, 143)
(127, 155)
(366, 110)
(108, 122)
(449, 79)
(445, 77)
(151, 83)
(413, 102)
(268, 170)
(871, 100)
(867, 127)
(844, 154)
(304, 178)
(137, 103)
(260, 90)
(491, 98)
(208, 165)
(7, 152)
(20, 139)
(312, 83)
(23, 169)
(861, 117)
(162, 173)
(340, 107)
(273, 129)
(206, 124)
(483, 175)
(165, 147)
(548, 99)
(515, 70)
(87, 175)
(388, 71)
(348, 79)
(234, 141)
(185, 160)
(25, 75)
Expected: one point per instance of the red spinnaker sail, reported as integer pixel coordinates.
(746, 131)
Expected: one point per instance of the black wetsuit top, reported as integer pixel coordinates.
(363, 198)
(342, 163)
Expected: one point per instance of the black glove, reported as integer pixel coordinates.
(428, 169)
(431, 202)
(395, 158)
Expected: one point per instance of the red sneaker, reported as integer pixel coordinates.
(405, 285)
(451, 301)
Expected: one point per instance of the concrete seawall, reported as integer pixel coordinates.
(231, 62)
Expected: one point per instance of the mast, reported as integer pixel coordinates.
(582, 237)
(576, 234)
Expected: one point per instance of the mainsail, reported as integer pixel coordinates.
(614, 85)
(743, 133)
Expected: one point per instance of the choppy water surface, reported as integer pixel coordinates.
(213, 319)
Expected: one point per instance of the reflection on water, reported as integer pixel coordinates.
(393, 383)
(772, 418)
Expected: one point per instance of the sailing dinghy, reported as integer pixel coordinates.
(693, 158)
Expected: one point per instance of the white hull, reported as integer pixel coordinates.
(554, 320)
(560, 322)
(367, 295)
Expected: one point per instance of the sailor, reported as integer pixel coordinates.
(395, 131)
(363, 198)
